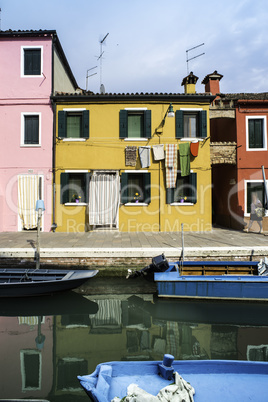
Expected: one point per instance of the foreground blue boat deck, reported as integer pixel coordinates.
(213, 380)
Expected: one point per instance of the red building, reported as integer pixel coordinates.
(238, 152)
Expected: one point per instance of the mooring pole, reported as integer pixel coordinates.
(38, 238)
(182, 248)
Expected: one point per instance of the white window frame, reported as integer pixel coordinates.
(22, 137)
(23, 373)
(133, 139)
(245, 194)
(138, 204)
(264, 133)
(191, 139)
(182, 204)
(22, 61)
(74, 204)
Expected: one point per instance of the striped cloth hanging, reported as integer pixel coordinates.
(171, 165)
(27, 197)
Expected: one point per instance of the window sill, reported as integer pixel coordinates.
(256, 149)
(30, 145)
(76, 204)
(181, 204)
(136, 139)
(74, 139)
(192, 139)
(136, 204)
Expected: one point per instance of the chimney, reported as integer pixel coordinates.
(189, 83)
(212, 83)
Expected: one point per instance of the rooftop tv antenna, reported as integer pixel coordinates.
(187, 59)
(100, 58)
(0, 19)
(89, 75)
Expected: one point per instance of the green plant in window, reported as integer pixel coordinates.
(182, 198)
(76, 198)
(137, 197)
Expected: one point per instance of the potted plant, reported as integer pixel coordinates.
(137, 197)
(76, 198)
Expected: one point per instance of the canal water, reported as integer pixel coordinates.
(47, 341)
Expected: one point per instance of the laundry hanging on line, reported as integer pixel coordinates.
(145, 159)
(171, 165)
(131, 156)
(158, 152)
(184, 150)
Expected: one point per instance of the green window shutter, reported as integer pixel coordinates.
(31, 129)
(169, 195)
(147, 124)
(251, 137)
(179, 124)
(62, 131)
(203, 124)
(32, 61)
(123, 124)
(259, 133)
(193, 188)
(147, 188)
(87, 180)
(85, 124)
(64, 188)
(124, 188)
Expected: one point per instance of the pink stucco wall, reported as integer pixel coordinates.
(19, 95)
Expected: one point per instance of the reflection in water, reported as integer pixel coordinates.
(46, 342)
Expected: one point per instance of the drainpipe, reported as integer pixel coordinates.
(54, 225)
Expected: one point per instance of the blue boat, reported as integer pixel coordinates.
(228, 287)
(234, 280)
(209, 380)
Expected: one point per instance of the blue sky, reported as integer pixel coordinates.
(145, 50)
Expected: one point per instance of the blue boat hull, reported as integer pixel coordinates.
(213, 380)
(229, 287)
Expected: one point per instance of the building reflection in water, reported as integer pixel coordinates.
(44, 354)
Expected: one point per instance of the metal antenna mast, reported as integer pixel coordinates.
(100, 58)
(187, 59)
(0, 19)
(90, 75)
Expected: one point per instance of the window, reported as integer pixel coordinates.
(256, 132)
(135, 188)
(73, 124)
(135, 123)
(31, 364)
(191, 124)
(68, 370)
(30, 129)
(31, 61)
(254, 187)
(185, 190)
(74, 187)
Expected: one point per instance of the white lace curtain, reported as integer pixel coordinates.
(104, 199)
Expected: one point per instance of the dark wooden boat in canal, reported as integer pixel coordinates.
(17, 282)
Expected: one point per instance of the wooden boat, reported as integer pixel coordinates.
(212, 380)
(17, 282)
(228, 287)
(232, 284)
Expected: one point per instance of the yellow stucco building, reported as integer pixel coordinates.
(132, 162)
